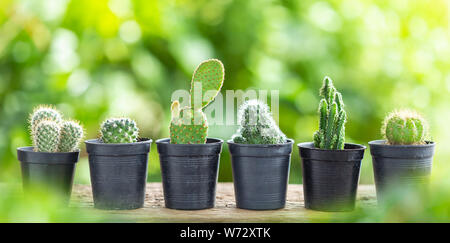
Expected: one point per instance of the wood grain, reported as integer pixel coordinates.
(224, 211)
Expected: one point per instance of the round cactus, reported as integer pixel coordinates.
(187, 126)
(71, 134)
(257, 125)
(119, 130)
(404, 127)
(44, 113)
(46, 136)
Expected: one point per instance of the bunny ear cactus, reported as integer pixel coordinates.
(257, 125)
(331, 134)
(405, 127)
(119, 130)
(189, 124)
(50, 133)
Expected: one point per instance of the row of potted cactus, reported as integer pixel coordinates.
(260, 155)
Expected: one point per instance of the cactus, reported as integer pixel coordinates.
(44, 113)
(50, 133)
(46, 136)
(331, 133)
(71, 134)
(405, 127)
(119, 130)
(257, 125)
(189, 124)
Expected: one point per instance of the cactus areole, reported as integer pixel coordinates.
(331, 133)
(189, 124)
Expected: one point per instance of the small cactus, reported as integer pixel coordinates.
(405, 127)
(119, 130)
(44, 113)
(71, 134)
(257, 125)
(189, 124)
(50, 133)
(47, 136)
(331, 133)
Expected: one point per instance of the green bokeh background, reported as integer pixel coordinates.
(96, 59)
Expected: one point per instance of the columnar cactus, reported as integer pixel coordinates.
(50, 133)
(404, 127)
(331, 133)
(189, 124)
(257, 125)
(119, 130)
(71, 134)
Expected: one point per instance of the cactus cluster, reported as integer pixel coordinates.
(189, 124)
(404, 127)
(119, 130)
(50, 133)
(331, 133)
(256, 125)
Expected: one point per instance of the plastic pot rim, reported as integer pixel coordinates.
(289, 141)
(46, 157)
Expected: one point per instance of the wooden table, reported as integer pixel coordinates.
(224, 211)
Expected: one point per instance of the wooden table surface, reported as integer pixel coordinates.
(224, 211)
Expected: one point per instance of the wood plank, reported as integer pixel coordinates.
(224, 211)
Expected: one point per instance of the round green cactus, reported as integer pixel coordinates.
(187, 126)
(71, 134)
(257, 125)
(46, 136)
(119, 130)
(44, 113)
(404, 127)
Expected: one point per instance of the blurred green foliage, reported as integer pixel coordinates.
(96, 59)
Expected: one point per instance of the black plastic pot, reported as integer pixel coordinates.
(260, 174)
(400, 165)
(53, 170)
(330, 177)
(118, 173)
(189, 173)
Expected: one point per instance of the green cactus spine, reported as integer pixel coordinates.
(189, 124)
(256, 125)
(119, 130)
(405, 127)
(331, 133)
(46, 136)
(71, 134)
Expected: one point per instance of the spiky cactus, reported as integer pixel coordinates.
(71, 134)
(257, 125)
(44, 112)
(331, 133)
(189, 124)
(119, 130)
(46, 136)
(50, 133)
(405, 127)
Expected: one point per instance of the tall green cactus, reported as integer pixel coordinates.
(331, 133)
(119, 130)
(189, 124)
(257, 125)
(50, 133)
(405, 127)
